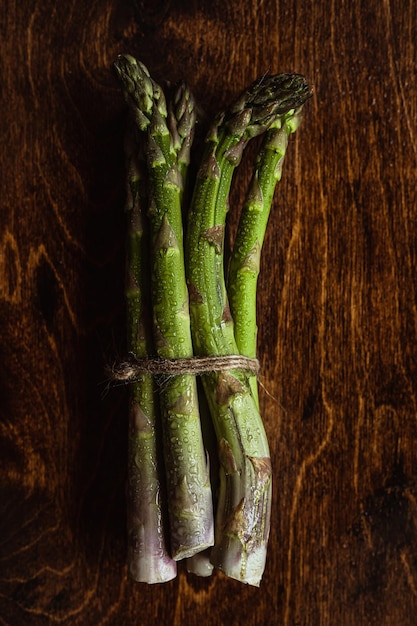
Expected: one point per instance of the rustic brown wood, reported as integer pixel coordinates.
(338, 309)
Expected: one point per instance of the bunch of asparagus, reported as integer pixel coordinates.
(184, 318)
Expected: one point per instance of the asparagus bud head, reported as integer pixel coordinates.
(267, 99)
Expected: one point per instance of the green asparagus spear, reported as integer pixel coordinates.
(188, 484)
(243, 514)
(148, 557)
(245, 262)
(181, 123)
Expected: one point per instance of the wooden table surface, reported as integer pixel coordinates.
(337, 306)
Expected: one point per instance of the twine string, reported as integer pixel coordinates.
(130, 369)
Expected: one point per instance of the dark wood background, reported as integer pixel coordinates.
(338, 309)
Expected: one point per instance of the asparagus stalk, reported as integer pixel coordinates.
(181, 123)
(148, 557)
(200, 564)
(187, 475)
(245, 261)
(243, 513)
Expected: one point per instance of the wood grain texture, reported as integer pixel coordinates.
(338, 309)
